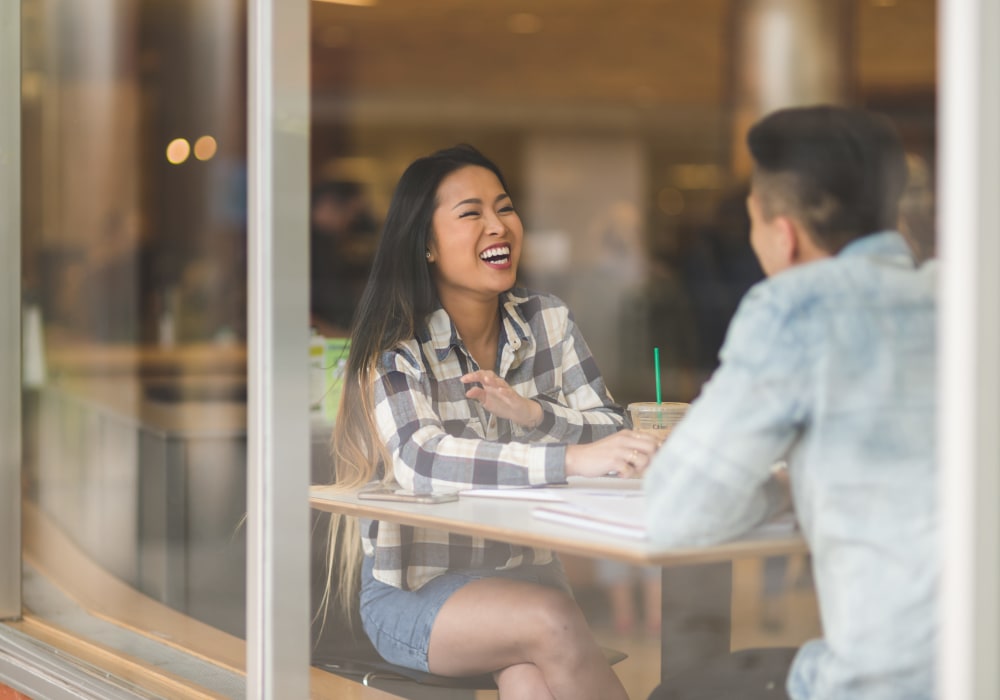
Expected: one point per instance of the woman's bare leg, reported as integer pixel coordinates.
(522, 681)
(496, 623)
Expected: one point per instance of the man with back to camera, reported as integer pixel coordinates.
(828, 364)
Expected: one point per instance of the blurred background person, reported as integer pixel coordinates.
(342, 237)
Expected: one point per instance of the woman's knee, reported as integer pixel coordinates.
(554, 614)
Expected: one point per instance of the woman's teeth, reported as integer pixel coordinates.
(496, 255)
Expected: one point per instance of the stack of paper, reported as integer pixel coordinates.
(622, 514)
(610, 504)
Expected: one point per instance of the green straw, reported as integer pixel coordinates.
(656, 367)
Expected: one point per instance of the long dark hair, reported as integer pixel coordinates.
(399, 295)
(400, 292)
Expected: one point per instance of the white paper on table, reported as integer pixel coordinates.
(545, 493)
(597, 487)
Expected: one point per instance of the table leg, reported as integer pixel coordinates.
(697, 602)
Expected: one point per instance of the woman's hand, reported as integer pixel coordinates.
(498, 398)
(626, 453)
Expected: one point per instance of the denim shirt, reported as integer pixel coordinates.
(830, 366)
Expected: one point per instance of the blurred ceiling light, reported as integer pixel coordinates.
(524, 23)
(178, 151)
(205, 147)
(356, 3)
(884, 3)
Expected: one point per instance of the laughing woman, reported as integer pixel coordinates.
(457, 379)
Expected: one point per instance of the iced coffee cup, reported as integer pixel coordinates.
(656, 418)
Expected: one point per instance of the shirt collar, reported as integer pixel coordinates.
(883, 244)
(440, 332)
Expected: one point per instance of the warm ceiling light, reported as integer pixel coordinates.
(356, 3)
(524, 23)
(205, 147)
(178, 151)
(884, 3)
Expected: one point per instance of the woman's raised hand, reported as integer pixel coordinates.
(498, 398)
(627, 453)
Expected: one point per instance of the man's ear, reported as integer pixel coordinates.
(801, 245)
(786, 245)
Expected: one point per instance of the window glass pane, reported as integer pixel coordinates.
(619, 128)
(135, 289)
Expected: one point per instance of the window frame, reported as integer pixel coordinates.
(10, 310)
(277, 344)
(969, 343)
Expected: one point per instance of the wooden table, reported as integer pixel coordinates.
(697, 581)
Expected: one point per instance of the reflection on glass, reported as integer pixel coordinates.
(178, 151)
(135, 426)
(205, 147)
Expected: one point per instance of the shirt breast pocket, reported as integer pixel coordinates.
(552, 394)
(458, 420)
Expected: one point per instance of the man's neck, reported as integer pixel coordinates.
(807, 250)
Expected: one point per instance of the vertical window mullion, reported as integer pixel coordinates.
(278, 340)
(10, 310)
(969, 339)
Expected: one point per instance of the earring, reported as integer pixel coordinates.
(427, 254)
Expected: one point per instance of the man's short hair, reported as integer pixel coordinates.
(840, 171)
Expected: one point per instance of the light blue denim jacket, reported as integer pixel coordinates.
(830, 366)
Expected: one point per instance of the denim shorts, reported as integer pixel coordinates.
(399, 622)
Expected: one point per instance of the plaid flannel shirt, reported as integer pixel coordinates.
(440, 440)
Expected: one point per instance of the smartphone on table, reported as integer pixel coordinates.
(401, 495)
